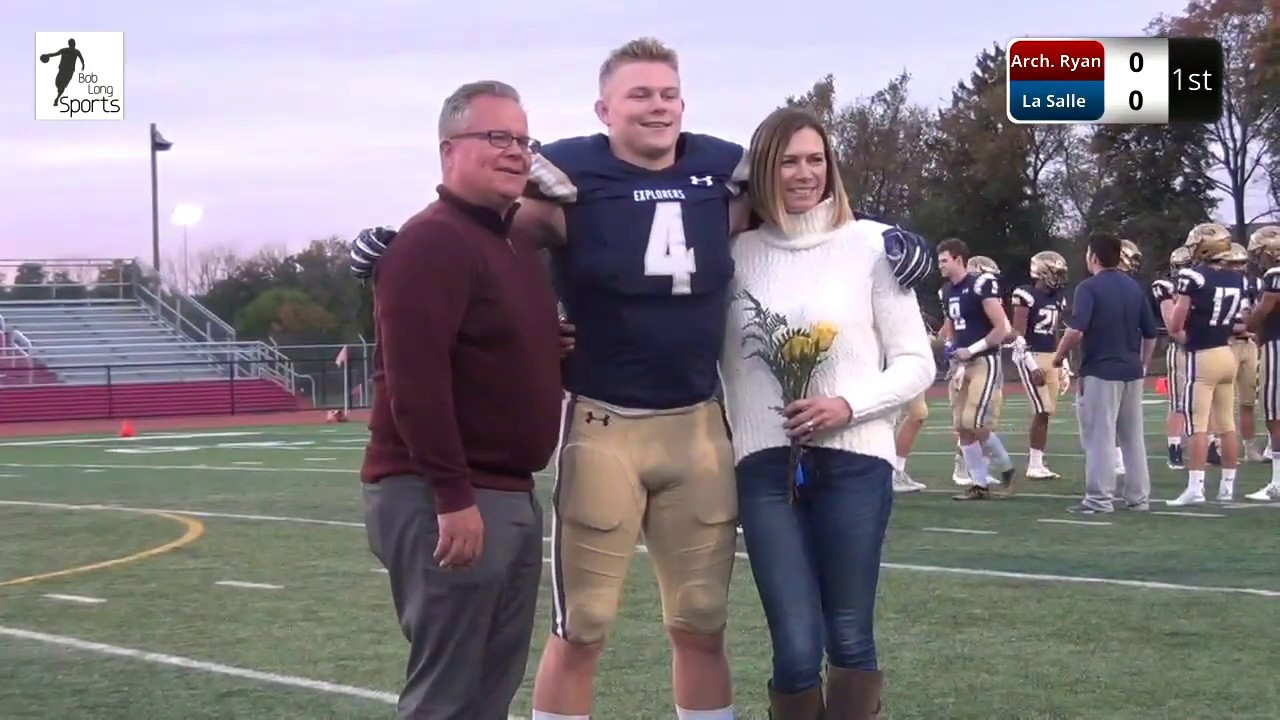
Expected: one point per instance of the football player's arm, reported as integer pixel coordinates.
(1166, 316)
(909, 367)
(419, 303)
(1265, 307)
(541, 221)
(1188, 283)
(1081, 317)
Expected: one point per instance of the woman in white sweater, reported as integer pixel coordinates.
(815, 555)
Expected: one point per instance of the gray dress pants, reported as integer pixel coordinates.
(469, 629)
(1110, 415)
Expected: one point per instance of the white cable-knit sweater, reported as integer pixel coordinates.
(881, 358)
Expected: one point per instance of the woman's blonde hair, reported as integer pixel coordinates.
(768, 145)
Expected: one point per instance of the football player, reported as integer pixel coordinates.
(1037, 311)
(960, 473)
(976, 326)
(1264, 320)
(1245, 347)
(1209, 295)
(1175, 359)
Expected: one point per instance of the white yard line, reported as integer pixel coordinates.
(960, 531)
(206, 667)
(136, 439)
(248, 585)
(975, 572)
(1057, 521)
(82, 599)
(1183, 513)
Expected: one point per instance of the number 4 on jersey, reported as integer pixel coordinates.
(666, 254)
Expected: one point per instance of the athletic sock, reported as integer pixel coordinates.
(900, 464)
(1275, 473)
(976, 463)
(998, 453)
(1195, 480)
(1175, 441)
(1037, 458)
(1228, 481)
(539, 715)
(725, 713)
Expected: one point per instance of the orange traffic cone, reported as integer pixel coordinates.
(126, 429)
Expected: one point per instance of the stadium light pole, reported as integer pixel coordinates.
(186, 215)
(158, 144)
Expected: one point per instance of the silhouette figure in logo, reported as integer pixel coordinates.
(67, 57)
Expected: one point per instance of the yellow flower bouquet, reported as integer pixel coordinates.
(792, 354)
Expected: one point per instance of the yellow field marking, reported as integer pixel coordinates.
(194, 527)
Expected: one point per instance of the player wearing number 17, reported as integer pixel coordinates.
(640, 221)
(1208, 299)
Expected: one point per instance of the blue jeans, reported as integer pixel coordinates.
(816, 561)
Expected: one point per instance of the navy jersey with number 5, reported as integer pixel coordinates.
(1044, 308)
(1217, 295)
(646, 269)
(962, 303)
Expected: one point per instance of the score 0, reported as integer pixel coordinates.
(1136, 88)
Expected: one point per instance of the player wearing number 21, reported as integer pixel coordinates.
(1209, 296)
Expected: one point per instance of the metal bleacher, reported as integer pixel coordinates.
(131, 328)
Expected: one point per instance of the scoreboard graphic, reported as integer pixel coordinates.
(1137, 80)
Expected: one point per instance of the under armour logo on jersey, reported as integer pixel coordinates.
(602, 419)
(700, 180)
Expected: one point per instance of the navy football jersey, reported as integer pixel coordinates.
(1216, 298)
(962, 303)
(646, 269)
(1252, 296)
(1270, 283)
(1044, 309)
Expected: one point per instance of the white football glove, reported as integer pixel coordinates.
(1019, 346)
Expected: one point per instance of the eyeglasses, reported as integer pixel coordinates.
(502, 139)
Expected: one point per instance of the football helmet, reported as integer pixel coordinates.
(1050, 267)
(1178, 259)
(1209, 242)
(1238, 256)
(1130, 257)
(1264, 247)
(981, 264)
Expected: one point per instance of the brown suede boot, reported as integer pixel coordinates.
(804, 705)
(853, 694)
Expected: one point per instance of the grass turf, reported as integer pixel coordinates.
(1132, 617)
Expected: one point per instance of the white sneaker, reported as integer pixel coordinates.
(1041, 473)
(960, 475)
(1268, 493)
(902, 483)
(1188, 497)
(1253, 454)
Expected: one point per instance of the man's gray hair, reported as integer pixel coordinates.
(453, 116)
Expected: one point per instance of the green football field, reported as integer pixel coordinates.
(225, 574)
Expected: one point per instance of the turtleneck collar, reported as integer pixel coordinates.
(803, 230)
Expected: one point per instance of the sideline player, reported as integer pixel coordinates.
(960, 473)
(1264, 320)
(1037, 311)
(976, 326)
(1175, 358)
(1244, 345)
(1209, 296)
(913, 419)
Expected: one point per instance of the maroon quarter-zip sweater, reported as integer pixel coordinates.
(466, 373)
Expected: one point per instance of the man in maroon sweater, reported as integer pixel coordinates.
(466, 408)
